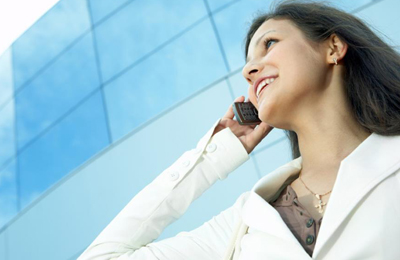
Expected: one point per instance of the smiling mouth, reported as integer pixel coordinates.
(263, 84)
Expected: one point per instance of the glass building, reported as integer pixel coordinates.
(98, 97)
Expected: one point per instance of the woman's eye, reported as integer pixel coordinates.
(268, 41)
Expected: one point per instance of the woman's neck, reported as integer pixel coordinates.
(322, 152)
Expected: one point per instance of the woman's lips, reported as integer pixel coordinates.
(263, 86)
(261, 82)
(262, 89)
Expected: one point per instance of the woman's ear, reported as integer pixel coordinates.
(336, 48)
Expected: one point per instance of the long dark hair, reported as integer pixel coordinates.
(372, 67)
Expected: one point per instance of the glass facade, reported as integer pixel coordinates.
(47, 39)
(56, 91)
(162, 80)
(91, 90)
(69, 143)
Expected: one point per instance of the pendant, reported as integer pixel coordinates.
(320, 203)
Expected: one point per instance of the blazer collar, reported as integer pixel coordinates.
(372, 161)
(259, 214)
(375, 159)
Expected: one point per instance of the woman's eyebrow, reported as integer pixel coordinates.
(259, 39)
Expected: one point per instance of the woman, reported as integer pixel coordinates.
(334, 86)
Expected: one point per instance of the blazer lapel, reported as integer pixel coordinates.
(259, 214)
(376, 158)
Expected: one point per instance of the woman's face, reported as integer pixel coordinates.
(299, 67)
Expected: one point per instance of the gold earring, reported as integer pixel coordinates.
(335, 60)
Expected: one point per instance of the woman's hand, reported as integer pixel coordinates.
(249, 135)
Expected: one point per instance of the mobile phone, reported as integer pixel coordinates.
(246, 113)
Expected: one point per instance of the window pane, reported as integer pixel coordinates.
(7, 140)
(140, 28)
(8, 193)
(172, 74)
(349, 6)
(55, 91)
(237, 16)
(48, 37)
(6, 81)
(70, 143)
(385, 26)
(101, 8)
(273, 157)
(215, 4)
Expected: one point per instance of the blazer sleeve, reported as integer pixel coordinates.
(131, 233)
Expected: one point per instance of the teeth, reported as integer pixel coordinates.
(263, 83)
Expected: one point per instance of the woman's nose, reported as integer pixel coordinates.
(251, 71)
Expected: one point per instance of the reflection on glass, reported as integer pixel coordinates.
(141, 27)
(214, 5)
(8, 193)
(70, 143)
(101, 8)
(172, 74)
(6, 81)
(55, 91)
(7, 144)
(48, 37)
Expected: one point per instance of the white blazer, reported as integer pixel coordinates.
(361, 220)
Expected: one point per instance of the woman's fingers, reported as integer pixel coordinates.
(261, 131)
(229, 114)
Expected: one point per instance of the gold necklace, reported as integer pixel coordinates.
(318, 196)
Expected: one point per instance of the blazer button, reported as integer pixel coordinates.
(310, 222)
(173, 176)
(186, 163)
(211, 148)
(309, 239)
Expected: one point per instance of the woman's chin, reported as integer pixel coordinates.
(273, 121)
